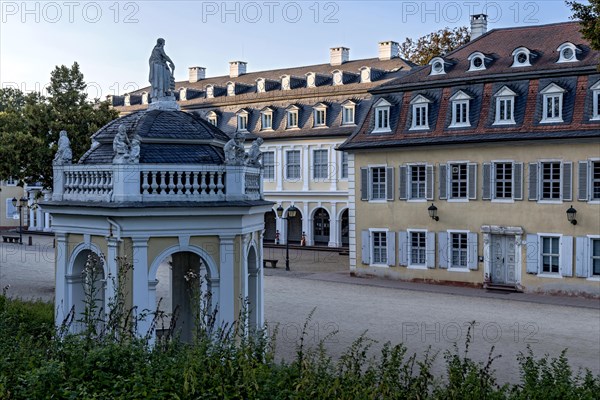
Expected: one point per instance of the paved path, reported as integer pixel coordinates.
(420, 315)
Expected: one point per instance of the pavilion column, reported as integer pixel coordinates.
(281, 226)
(39, 220)
(31, 220)
(227, 295)
(140, 284)
(111, 270)
(333, 227)
(260, 306)
(307, 225)
(61, 304)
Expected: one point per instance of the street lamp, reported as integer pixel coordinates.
(291, 213)
(571, 215)
(432, 210)
(22, 203)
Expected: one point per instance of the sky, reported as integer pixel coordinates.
(112, 40)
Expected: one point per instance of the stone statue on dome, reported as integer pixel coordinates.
(162, 68)
(234, 150)
(254, 154)
(64, 154)
(121, 146)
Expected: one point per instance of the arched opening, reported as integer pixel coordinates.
(182, 295)
(321, 227)
(270, 227)
(345, 228)
(86, 289)
(295, 227)
(253, 291)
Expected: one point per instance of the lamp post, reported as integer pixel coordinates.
(22, 202)
(291, 213)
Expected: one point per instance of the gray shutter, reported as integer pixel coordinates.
(486, 193)
(443, 181)
(582, 194)
(443, 250)
(532, 254)
(391, 248)
(430, 253)
(472, 252)
(364, 183)
(518, 181)
(567, 181)
(566, 256)
(403, 250)
(582, 261)
(533, 181)
(472, 180)
(366, 247)
(403, 183)
(429, 188)
(389, 180)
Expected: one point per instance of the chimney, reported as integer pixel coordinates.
(237, 68)
(478, 25)
(339, 55)
(196, 74)
(388, 50)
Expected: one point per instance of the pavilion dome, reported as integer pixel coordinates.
(166, 137)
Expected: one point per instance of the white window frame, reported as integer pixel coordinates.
(311, 76)
(287, 165)
(541, 272)
(410, 248)
(433, 63)
(595, 102)
(337, 77)
(264, 116)
(590, 181)
(230, 88)
(409, 181)
(383, 231)
(541, 182)
(451, 268)
(316, 113)
(564, 46)
(242, 116)
(460, 98)
(343, 154)
(261, 82)
(472, 59)
(212, 118)
(515, 54)
(385, 194)
(288, 115)
(449, 180)
(591, 276)
(365, 74)
(210, 91)
(350, 108)
(420, 102)
(286, 82)
(9, 207)
(494, 196)
(505, 94)
(555, 92)
(268, 166)
(316, 167)
(382, 110)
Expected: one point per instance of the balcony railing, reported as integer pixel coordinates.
(156, 182)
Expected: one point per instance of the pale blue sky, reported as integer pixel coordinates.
(112, 40)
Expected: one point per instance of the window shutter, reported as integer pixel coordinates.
(10, 209)
(443, 250)
(533, 181)
(403, 179)
(389, 180)
(582, 260)
(533, 253)
(391, 248)
(472, 253)
(583, 181)
(472, 181)
(364, 184)
(567, 181)
(366, 247)
(430, 253)
(566, 256)
(518, 181)
(403, 243)
(443, 181)
(486, 193)
(429, 189)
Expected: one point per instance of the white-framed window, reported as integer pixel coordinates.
(595, 180)
(595, 257)
(292, 164)
(11, 211)
(344, 165)
(567, 52)
(521, 57)
(417, 187)
(420, 112)
(268, 162)
(338, 77)
(348, 113)
(379, 247)
(292, 117)
(230, 88)
(550, 173)
(261, 85)
(285, 82)
(550, 254)
(378, 183)
(589, 180)
(459, 250)
(552, 103)
(311, 80)
(417, 254)
(320, 163)
(596, 101)
(460, 109)
(502, 181)
(365, 74)
(476, 61)
(505, 106)
(210, 91)
(266, 119)
(459, 181)
(382, 116)
(551, 181)
(438, 66)
(320, 116)
(212, 118)
(587, 257)
(242, 121)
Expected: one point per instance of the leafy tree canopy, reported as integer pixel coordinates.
(435, 44)
(30, 125)
(589, 17)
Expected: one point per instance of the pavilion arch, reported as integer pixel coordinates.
(321, 221)
(254, 286)
(295, 234)
(344, 237)
(213, 270)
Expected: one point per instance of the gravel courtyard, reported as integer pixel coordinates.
(418, 315)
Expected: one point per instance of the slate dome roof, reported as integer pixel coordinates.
(167, 137)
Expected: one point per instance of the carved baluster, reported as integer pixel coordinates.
(220, 185)
(67, 187)
(171, 182)
(154, 184)
(93, 187)
(212, 185)
(163, 183)
(195, 185)
(180, 177)
(109, 182)
(203, 187)
(145, 184)
(188, 183)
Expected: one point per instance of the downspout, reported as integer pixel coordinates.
(113, 223)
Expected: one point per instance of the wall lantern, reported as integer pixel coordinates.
(433, 212)
(571, 214)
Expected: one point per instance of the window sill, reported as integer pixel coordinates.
(548, 275)
(460, 126)
(593, 279)
(551, 121)
(595, 118)
(550, 201)
(504, 123)
(348, 124)
(379, 265)
(419, 128)
(319, 126)
(416, 200)
(417, 267)
(458, 200)
(378, 201)
(505, 201)
(452, 269)
(595, 201)
(381, 131)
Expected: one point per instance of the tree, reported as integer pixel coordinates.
(589, 17)
(30, 125)
(434, 44)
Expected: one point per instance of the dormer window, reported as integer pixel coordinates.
(338, 77)
(552, 103)
(230, 89)
(182, 94)
(285, 82)
(311, 80)
(292, 117)
(596, 101)
(438, 66)
(382, 116)
(211, 117)
(320, 115)
(477, 61)
(420, 112)
(460, 110)
(144, 97)
(348, 108)
(266, 118)
(521, 57)
(260, 85)
(242, 121)
(365, 75)
(567, 52)
(505, 106)
(210, 91)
